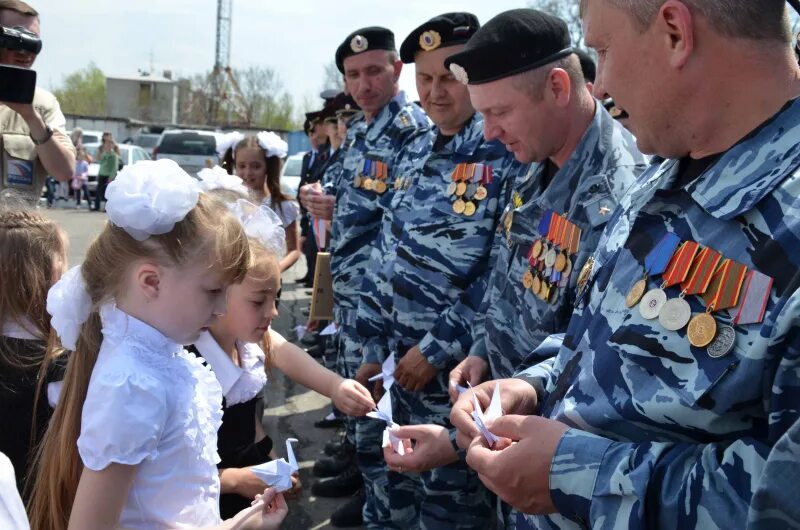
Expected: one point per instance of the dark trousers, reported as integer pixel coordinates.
(84, 189)
(100, 192)
(310, 251)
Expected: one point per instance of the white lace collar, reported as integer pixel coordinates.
(23, 330)
(118, 325)
(239, 384)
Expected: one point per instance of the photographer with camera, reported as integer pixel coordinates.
(33, 142)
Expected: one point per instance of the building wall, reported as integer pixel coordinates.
(142, 99)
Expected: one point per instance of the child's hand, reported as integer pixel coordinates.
(247, 484)
(297, 488)
(267, 513)
(352, 398)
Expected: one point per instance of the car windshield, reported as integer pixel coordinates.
(146, 141)
(293, 167)
(188, 144)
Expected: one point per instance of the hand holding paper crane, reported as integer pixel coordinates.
(384, 409)
(278, 473)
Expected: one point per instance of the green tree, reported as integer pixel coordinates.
(83, 92)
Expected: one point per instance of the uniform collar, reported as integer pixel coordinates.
(467, 140)
(385, 117)
(751, 169)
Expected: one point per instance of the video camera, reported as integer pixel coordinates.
(17, 85)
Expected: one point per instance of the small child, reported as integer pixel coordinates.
(133, 441)
(33, 252)
(234, 346)
(258, 161)
(80, 180)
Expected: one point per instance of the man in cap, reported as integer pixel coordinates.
(678, 372)
(428, 273)
(310, 172)
(540, 106)
(389, 122)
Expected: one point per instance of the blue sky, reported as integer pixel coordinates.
(295, 37)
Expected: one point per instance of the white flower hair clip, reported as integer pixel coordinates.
(273, 144)
(217, 178)
(147, 198)
(227, 141)
(262, 224)
(69, 305)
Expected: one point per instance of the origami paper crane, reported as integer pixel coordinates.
(387, 373)
(384, 409)
(278, 473)
(494, 411)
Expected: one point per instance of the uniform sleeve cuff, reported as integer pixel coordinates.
(574, 471)
(462, 453)
(434, 352)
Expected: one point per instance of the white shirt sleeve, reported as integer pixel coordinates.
(123, 418)
(12, 511)
(289, 212)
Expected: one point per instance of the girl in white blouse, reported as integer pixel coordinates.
(258, 161)
(235, 344)
(133, 441)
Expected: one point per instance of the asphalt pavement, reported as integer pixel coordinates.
(290, 408)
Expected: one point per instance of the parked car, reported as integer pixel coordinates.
(145, 140)
(89, 137)
(290, 175)
(129, 154)
(192, 150)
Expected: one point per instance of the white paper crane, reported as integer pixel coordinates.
(387, 373)
(278, 473)
(494, 411)
(384, 409)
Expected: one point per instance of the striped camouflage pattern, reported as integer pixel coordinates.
(672, 438)
(425, 280)
(357, 215)
(586, 189)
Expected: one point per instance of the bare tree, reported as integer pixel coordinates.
(332, 77)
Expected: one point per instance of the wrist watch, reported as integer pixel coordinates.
(48, 133)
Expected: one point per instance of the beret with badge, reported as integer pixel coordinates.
(450, 29)
(513, 42)
(364, 40)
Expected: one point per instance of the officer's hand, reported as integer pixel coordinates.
(25, 110)
(517, 397)
(520, 473)
(352, 398)
(316, 202)
(365, 371)
(431, 449)
(472, 370)
(414, 372)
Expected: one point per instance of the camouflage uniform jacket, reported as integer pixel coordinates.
(665, 436)
(428, 272)
(586, 190)
(357, 214)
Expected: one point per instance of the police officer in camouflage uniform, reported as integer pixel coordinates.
(642, 420)
(428, 272)
(583, 184)
(389, 122)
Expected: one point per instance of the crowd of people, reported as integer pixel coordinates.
(551, 309)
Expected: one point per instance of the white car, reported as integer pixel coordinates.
(290, 175)
(129, 154)
(192, 150)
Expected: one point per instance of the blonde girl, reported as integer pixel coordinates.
(133, 441)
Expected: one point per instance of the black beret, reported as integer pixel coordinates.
(364, 40)
(588, 67)
(511, 43)
(449, 29)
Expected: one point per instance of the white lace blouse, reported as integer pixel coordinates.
(152, 404)
(239, 383)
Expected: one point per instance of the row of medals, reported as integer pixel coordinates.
(466, 196)
(548, 258)
(370, 184)
(675, 313)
